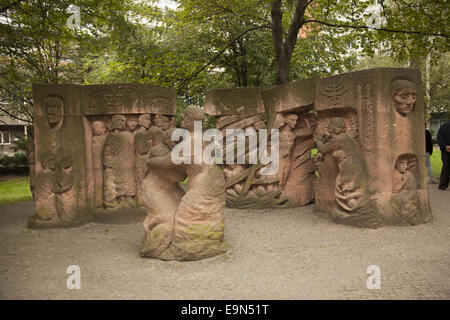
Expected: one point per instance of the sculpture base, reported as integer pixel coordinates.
(188, 250)
(35, 223)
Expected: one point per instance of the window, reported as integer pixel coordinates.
(5, 137)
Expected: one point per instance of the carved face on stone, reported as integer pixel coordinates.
(98, 128)
(132, 123)
(158, 120)
(60, 166)
(193, 113)
(53, 110)
(118, 122)
(63, 173)
(402, 165)
(144, 120)
(404, 94)
(291, 120)
(165, 123)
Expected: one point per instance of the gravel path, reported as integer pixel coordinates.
(276, 254)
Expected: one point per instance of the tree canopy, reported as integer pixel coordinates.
(206, 44)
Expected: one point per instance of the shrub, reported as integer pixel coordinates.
(19, 159)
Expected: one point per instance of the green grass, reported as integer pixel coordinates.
(15, 190)
(436, 162)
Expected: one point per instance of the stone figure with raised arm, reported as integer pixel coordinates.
(351, 180)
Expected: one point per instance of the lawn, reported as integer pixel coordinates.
(436, 162)
(15, 190)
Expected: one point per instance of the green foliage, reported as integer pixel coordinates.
(440, 85)
(206, 44)
(19, 159)
(422, 18)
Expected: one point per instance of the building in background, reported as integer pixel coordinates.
(11, 130)
(436, 121)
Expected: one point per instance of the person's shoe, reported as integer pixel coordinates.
(442, 188)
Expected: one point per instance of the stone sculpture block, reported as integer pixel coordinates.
(371, 160)
(182, 225)
(91, 144)
(287, 108)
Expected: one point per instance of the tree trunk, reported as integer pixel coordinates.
(281, 63)
(284, 49)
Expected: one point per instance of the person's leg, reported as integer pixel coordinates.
(443, 183)
(429, 168)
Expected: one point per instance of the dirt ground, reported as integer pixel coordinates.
(274, 254)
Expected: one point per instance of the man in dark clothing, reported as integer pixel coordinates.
(428, 153)
(443, 138)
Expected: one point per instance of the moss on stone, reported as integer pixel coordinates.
(153, 240)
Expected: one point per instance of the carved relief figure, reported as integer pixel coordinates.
(66, 203)
(301, 171)
(158, 120)
(56, 200)
(98, 140)
(132, 122)
(118, 156)
(45, 198)
(351, 180)
(402, 178)
(54, 111)
(166, 123)
(404, 93)
(198, 222)
(287, 137)
(143, 145)
(405, 200)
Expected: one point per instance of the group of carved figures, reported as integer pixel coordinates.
(133, 160)
(352, 190)
(120, 148)
(246, 186)
(132, 165)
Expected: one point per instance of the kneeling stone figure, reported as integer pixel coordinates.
(179, 225)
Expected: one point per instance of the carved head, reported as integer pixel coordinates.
(118, 122)
(402, 165)
(291, 120)
(337, 126)
(403, 162)
(144, 120)
(404, 94)
(63, 172)
(193, 113)
(132, 123)
(53, 110)
(98, 128)
(60, 166)
(158, 120)
(166, 123)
